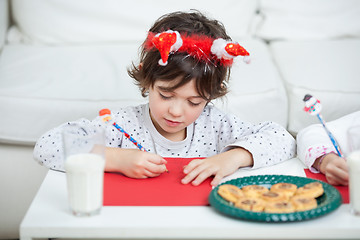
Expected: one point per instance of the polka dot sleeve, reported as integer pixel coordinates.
(268, 142)
(48, 150)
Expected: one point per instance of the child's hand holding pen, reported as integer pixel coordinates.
(134, 163)
(334, 168)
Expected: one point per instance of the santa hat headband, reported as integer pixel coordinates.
(201, 47)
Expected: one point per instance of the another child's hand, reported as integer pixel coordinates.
(220, 166)
(134, 163)
(335, 169)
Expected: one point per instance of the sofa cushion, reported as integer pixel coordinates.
(328, 70)
(42, 86)
(4, 21)
(308, 19)
(82, 21)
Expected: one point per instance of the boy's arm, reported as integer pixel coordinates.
(239, 158)
(219, 166)
(134, 163)
(268, 142)
(48, 150)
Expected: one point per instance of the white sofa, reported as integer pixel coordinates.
(61, 60)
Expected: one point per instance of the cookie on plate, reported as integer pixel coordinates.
(251, 204)
(254, 190)
(230, 192)
(273, 196)
(279, 207)
(313, 189)
(303, 203)
(288, 189)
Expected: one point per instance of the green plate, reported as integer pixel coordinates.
(328, 202)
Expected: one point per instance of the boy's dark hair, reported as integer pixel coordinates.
(210, 77)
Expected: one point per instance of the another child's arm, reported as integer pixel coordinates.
(219, 166)
(315, 149)
(334, 168)
(312, 144)
(318, 154)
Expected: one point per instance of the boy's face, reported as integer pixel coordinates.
(172, 111)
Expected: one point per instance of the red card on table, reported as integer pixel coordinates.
(344, 190)
(164, 190)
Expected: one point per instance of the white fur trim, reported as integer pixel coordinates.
(178, 43)
(218, 49)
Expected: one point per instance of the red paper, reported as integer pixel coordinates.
(164, 190)
(344, 190)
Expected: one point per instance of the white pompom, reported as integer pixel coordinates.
(161, 63)
(218, 47)
(247, 59)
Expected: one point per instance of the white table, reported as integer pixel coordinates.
(50, 217)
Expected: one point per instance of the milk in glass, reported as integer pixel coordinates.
(84, 154)
(85, 174)
(353, 160)
(354, 181)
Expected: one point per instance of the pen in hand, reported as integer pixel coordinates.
(106, 117)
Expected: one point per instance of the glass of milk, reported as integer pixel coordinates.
(353, 160)
(84, 149)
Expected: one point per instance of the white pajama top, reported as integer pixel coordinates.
(212, 133)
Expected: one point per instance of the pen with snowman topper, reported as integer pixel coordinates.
(313, 107)
(106, 117)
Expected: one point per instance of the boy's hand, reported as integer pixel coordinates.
(335, 169)
(219, 166)
(134, 163)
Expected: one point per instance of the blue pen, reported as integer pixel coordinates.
(313, 107)
(337, 148)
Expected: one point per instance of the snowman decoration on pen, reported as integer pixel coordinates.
(313, 107)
